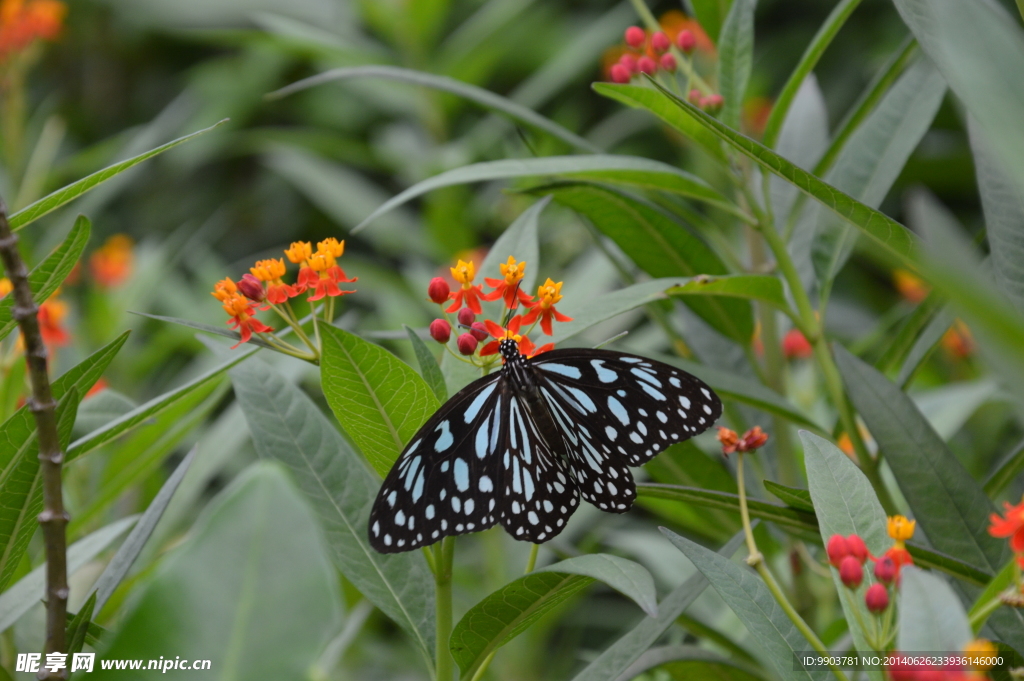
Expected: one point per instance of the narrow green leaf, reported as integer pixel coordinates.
(684, 463)
(72, 191)
(100, 409)
(901, 344)
(659, 245)
(692, 661)
(48, 275)
(1003, 579)
(735, 56)
(205, 328)
(586, 313)
(429, 368)
(759, 287)
(794, 497)
(616, 659)
(632, 171)
(924, 344)
(79, 625)
(950, 507)
(803, 139)
(1006, 471)
(748, 597)
(287, 426)
(930, 614)
(711, 14)
(630, 579)
(483, 97)
(376, 397)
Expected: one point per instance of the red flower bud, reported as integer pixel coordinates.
(855, 545)
(850, 572)
(647, 65)
(712, 102)
(440, 330)
(837, 549)
(753, 439)
(660, 42)
(886, 570)
(620, 73)
(478, 331)
(252, 288)
(686, 41)
(694, 97)
(466, 316)
(438, 290)
(667, 63)
(629, 61)
(467, 343)
(876, 598)
(635, 36)
(794, 344)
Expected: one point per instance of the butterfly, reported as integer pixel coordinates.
(521, 446)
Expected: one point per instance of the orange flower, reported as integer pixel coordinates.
(752, 440)
(526, 346)
(470, 294)
(508, 288)
(299, 253)
(910, 286)
(675, 22)
(958, 341)
(544, 306)
(1010, 525)
(900, 529)
(51, 314)
(5, 286)
(756, 111)
(270, 273)
(21, 23)
(795, 345)
(111, 263)
(729, 439)
(224, 289)
(324, 265)
(242, 319)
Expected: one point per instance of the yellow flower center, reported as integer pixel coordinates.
(512, 272)
(269, 270)
(321, 262)
(224, 289)
(299, 251)
(901, 529)
(331, 246)
(237, 306)
(463, 272)
(549, 293)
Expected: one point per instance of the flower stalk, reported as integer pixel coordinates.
(444, 554)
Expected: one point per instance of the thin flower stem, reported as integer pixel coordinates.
(754, 556)
(444, 553)
(288, 314)
(531, 563)
(978, 619)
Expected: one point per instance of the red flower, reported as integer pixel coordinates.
(526, 346)
(242, 319)
(1010, 525)
(508, 288)
(270, 272)
(544, 306)
(794, 344)
(876, 598)
(328, 273)
(51, 314)
(751, 440)
(470, 294)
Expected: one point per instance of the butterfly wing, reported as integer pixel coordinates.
(616, 410)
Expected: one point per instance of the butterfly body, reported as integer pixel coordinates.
(520, 447)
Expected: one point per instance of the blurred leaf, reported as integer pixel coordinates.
(587, 313)
(100, 409)
(630, 579)
(924, 344)
(735, 55)
(30, 589)
(457, 374)
(979, 49)
(901, 344)
(930, 614)
(58, 198)
(48, 275)
(760, 287)
(659, 245)
(748, 597)
(287, 426)
(1003, 204)
(948, 407)
(947, 503)
(79, 625)
(118, 567)
(206, 328)
(429, 369)
(616, 659)
(483, 97)
(631, 171)
(873, 158)
(254, 554)
(794, 497)
(1006, 471)
(519, 240)
(376, 397)
(711, 14)
(717, 666)
(1003, 579)
(802, 139)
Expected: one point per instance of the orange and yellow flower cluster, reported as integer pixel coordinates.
(51, 315)
(22, 23)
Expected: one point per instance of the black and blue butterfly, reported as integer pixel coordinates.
(521, 446)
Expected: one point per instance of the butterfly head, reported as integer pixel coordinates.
(509, 349)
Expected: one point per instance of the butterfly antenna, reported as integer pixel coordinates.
(508, 314)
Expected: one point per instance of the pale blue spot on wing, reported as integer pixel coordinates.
(604, 374)
(652, 392)
(446, 439)
(583, 398)
(478, 403)
(461, 472)
(561, 369)
(618, 410)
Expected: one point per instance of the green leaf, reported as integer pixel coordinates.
(48, 275)
(659, 245)
(1006, 471)
(220, 595)
(685, 661)
(930, 614)
(1003, 579)
(711, 14)
(748, 597)
(79, 625)
(483, 97)
(684, 463)
(100, 409)
(613, 662)
(759, 287)
(376, 397)
(803, 139)
(586, 313)
(206, 328)
(845, 504)
(287, 426)
(873, 158)
(429, 368)
(30, 589)
(632, 171)
(117, 569)
(979, 48)
(949, 506)
(900, 345)
(794, 497)
(924, 344)
(890, 236)
(630, 579)
(735, 55)
(72, 191)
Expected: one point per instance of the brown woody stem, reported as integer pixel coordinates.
(54, 518)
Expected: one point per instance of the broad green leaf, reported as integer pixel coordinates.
(759, 287)
(586, 313)
(376, 397)
(616, 659)
(794, 497)
(735, 56)
(429, 368)
(483, 97)
(1006, 471)
(748, 597)
(72, 191)
(930, 614)
(1003, 203)
(30, 589)
(118, 567)
(659, 245)
(48, 275)
(631, 171)
(893, 238)
(687, 661)
(630, 579)
(222, 596)
(100, 409)
(457, 374)
(873, 159)
(949, 506)
(979, 48)
(287, 426)
(845, 504)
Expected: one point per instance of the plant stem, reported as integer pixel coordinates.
(977, 619)
(754, 556)
(444, 552)
(532, 561)
(54, 518)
